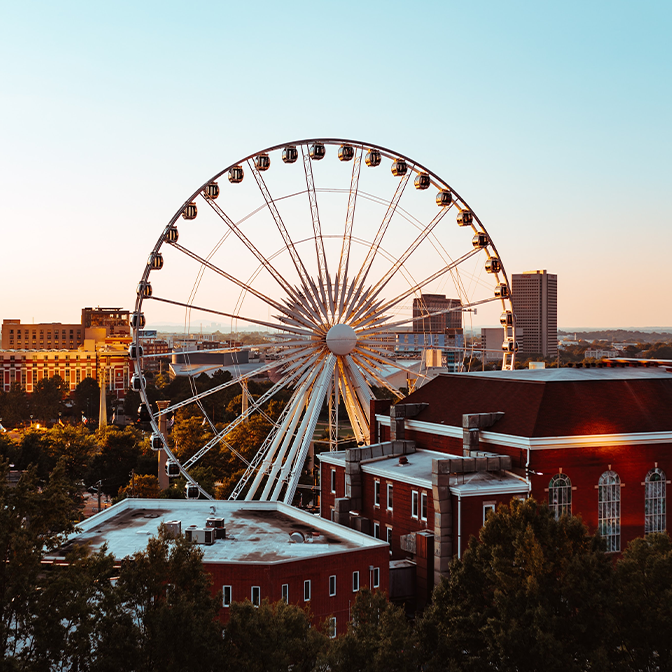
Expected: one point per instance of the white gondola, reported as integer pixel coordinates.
(290, 154)
(480, 240)
(506, 318)
(192, 491)
(464, 218)
(144, 289)
(372, 158)
(171, 234)
(137, 381)
(155, 261)
(493, 265)
(346, 153)
(156, 441)
(138, 320)
(502, 291)
(211, 191)
(236, 174)
(135, 351)
(172, 469)
(422, 181)
(444, 198)
(399, 167)
(190, 211)
(262, 162)
(317, 151)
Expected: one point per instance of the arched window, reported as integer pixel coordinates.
(654, 501)
(560, 495)
(609, 510)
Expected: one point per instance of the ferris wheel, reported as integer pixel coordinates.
(353, 258)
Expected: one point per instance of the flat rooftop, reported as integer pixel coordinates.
(256, 532)
(575, 374)
(418, 471)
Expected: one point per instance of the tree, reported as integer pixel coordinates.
(141, 486)
(165, 591)
(45, 401)
(270, 638)
(74, 444)
(87, 398)
(14, 406)
(119, 452)
(533, 591)
(33, 520)
(379, 638)
(644, 603)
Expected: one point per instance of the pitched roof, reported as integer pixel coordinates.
(554, 402)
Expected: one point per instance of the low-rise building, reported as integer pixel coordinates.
(265, 550)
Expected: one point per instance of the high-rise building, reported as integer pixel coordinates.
(535, 305)
(436, 324)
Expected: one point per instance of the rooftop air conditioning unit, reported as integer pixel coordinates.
(200, 535)
(173, 528)
(217, 525)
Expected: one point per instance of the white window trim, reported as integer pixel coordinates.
(224, 601)
(376, 530)
(306, 584)
(355, 582)
(258, 589)
(388, 536)
(332, 627)
(415, 504)
(333, 481)
(488, 508)
(376, 493)
(285, 593)
(332, 594)
(389, 500)
(376, 577)
(423, 498)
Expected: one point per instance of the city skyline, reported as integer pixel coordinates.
(547, 121)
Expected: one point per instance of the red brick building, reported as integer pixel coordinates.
(595, 442)
(270, 550)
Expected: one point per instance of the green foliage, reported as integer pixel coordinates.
(45, 401)
(87, 398)
(32, 520)
(644, 603)
(270, 638)
(165, 591)
(379, 639)
(534, 590)
(119, 453)
(14, 407)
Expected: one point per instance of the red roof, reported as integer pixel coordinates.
(554, 402)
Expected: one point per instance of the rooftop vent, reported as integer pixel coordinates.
(297, 537)
(403, 460)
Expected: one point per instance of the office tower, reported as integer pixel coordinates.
(535, 305)
(436, 324)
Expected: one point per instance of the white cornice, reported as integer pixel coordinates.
(541, 442)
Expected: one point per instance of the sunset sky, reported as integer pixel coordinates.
(551, 119)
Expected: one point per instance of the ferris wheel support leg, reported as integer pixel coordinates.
(334, 402)
(298, 404)
(357, 420)
(361, 388)
(291, 469)
(298, 407)
(319, 392)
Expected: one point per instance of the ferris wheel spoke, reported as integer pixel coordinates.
(381, 359)
(230, 278)
(371, 255)
(289, 244)
(242, 318)
(322, 266)
(423, 283)
(265, 263)
(275, 461)
(351, 402)
(232, 425)
(291, 470)
(380, 285)
(376, 378)
(344, 260)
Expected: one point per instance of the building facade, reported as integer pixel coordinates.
(268, 550)
(41, 336)
(595, 442)
(535, 306)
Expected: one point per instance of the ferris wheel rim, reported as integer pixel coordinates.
(413, 167)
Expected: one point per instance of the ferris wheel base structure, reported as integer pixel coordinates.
(316, 241)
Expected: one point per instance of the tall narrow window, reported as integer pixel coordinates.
(306, 591)
(376, 493)
(332, 585)
(423, 506)
(285, 593)
(609, 510)
(414, 504)
(376, 530)
(560, 495)
(355, 582)
(654, 502)
(376, 577)
(332, 627)
(389, 496)
(226, 596)
(333, 480)
(256, 595)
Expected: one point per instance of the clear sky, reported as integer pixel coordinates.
(553, 120)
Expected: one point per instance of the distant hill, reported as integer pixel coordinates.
(619, 335)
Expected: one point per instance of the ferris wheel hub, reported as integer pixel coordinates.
(341, 339)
